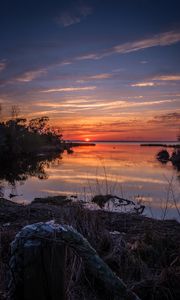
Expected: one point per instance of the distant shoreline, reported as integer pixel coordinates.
(77, 144)
(167, 144)
(123, 142)
(161, 145)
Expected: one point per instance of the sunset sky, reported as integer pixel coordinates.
(102, 69)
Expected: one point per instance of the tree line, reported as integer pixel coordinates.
(21, 136)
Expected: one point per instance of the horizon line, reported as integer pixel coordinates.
(129, 141)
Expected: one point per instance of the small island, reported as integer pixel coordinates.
(160, 145)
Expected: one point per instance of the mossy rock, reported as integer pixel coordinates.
(163, 156)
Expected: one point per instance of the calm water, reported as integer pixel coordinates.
(126, 170)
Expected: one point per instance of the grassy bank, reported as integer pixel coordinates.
(144, 252)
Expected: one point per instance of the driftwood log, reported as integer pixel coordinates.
(101, 200)
(27, 280)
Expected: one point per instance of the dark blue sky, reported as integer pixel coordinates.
(102, 69)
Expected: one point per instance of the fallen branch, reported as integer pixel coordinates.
(101, 200)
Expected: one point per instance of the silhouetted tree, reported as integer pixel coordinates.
(38, 125)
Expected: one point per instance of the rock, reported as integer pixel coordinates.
(7, 203)
(175, 158)
(54, 200)
(163, 156)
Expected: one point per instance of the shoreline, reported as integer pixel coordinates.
(77, 144)
(160, 145)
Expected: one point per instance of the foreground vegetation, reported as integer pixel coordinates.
(142, 251)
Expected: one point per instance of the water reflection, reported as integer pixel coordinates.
(16, 170)
(130, 171)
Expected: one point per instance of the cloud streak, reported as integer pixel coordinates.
(31, 75)
(70, 89)
(158, 80)
(111, 105)
(168, 78)
(143, 84)
(2, 65)
(170, 120)
(172, 116)
(100, 76)
(163, 39)
(68, 18)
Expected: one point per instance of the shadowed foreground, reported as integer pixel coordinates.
(143, 252)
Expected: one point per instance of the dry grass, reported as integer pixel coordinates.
(144, 252)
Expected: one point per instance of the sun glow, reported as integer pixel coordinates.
(87, 140)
